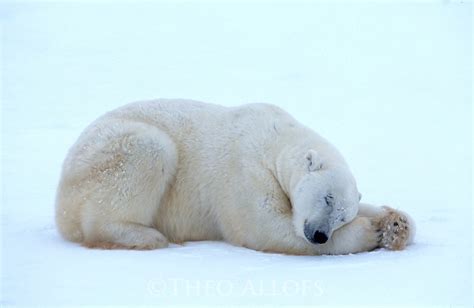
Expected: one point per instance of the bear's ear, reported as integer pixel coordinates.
(360, 196)
(313, 161)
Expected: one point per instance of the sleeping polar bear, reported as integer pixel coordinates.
(164, 171)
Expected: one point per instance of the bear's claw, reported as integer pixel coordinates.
(394, 229)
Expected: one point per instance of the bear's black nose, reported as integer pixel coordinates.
(320, 237)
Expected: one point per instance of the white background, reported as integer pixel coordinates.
(389, 85)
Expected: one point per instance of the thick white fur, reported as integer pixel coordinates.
(174, 170)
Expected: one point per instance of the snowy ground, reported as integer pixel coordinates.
(390, 85)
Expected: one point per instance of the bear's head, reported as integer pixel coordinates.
(325, 198)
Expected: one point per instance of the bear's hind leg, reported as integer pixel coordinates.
(119, 185)
(123, 235)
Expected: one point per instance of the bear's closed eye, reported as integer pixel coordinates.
(329, 199)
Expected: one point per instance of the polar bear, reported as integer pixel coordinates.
(161, 171)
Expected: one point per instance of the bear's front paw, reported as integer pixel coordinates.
(396, 229)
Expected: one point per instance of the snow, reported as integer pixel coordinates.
(389, 85)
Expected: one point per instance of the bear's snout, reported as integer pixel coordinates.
(320, 237)
(316, 234)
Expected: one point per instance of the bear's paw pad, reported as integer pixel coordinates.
(394, 230)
